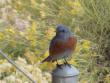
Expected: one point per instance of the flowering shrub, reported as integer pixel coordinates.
(8, 74)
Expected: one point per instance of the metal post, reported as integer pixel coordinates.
(65, 74)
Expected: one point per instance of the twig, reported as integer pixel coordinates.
(18, 68)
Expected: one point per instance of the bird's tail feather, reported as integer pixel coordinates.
(48, 59)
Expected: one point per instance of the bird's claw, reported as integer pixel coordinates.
(59, 66)
(69, 65)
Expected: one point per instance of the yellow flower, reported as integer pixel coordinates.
(107, 78)
(86, 44)
(33, 28)
(33, 2)
(46, 54)
(1, 36)
(74, 12)
(11, 30)
(77, 4)
(50, 33)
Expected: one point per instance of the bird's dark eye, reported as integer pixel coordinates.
(63, 31)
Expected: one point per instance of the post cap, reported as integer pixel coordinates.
(65, 71)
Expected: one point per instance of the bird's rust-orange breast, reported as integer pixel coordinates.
(60, 46)
(71, 43)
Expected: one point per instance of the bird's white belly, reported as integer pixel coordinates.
(65, 54)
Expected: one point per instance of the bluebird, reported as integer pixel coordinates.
(62, 45)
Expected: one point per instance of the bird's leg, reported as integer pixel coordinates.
(59, 66)
(66, 63)
(57, 62)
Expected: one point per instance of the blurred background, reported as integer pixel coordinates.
(27, 26)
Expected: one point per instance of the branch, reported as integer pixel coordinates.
(18, 68)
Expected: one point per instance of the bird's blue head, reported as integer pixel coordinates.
(62, 30)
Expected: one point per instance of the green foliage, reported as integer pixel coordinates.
(27, 26)
(93, 24)
(95, 21)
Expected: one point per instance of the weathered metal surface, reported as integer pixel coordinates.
(65, 74)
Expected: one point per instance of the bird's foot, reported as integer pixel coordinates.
(69, 65)
(66, 63)
(59, 66)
